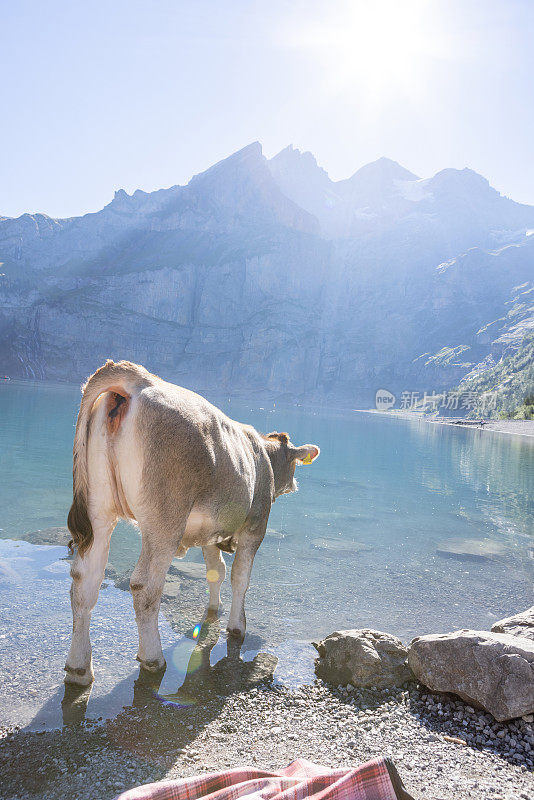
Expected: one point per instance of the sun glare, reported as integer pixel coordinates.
(376, 45)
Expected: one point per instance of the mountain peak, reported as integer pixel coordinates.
(296, 164)
(451, 179)
(383, 169)
(291, 158)
(375, 185)
(300, 178)
(250, 156)
(121, 198)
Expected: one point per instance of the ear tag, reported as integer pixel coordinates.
(308, 459)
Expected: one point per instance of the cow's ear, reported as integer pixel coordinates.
(305, 454)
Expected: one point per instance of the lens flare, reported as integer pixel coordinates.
(196, 631)
(176, 701)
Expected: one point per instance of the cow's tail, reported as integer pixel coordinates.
(125, 379)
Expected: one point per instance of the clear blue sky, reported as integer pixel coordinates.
(98, 96)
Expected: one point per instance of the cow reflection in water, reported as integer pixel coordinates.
(203, 681)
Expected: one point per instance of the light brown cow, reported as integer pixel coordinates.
(149, 451)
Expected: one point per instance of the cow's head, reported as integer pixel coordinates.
(284, 458)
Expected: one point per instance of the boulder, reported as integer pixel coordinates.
(54, 536)
(471, 549)
(339, 545)
(178, 572)
(493, 671)
(519, 625)
(362, 658)
(187, 569)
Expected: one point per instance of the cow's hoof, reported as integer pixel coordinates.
(156, 665)
(236, 633)
(80, 676)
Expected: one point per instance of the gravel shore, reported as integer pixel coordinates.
(515, 427)
(443, 749)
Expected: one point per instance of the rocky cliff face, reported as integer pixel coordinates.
(267, 276)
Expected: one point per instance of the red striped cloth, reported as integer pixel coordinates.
(301, 780)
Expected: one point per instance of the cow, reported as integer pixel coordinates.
(165, 458)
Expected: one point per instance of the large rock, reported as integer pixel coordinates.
(336, 546)
(519, 625)
(493, 671)
(54, 536)
(187, 569)
(471, 549)
(363, 658)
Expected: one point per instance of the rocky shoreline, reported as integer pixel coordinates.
(513, 427)
(443, 748)
(234, 714)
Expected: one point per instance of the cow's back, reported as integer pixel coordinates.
(195, 456)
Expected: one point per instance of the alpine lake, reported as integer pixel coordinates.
(400, 525)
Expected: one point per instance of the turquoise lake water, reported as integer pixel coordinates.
(357, 546)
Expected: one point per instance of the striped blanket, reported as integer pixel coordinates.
(301, 780)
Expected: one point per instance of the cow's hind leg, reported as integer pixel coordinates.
(87, 572)
(248, 544)
(146, 585)
(215, 575)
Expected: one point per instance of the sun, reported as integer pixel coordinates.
(377, 46)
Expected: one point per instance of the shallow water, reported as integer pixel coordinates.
(357, 546)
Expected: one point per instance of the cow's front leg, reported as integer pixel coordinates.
(249, 541)
(146, 584)
(215, 575)
(87, 572)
